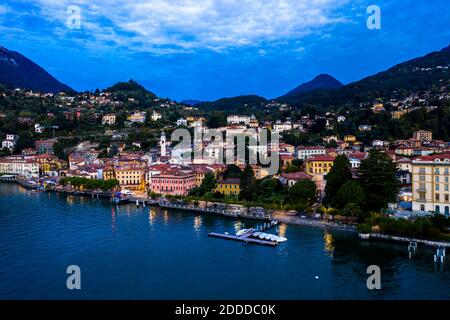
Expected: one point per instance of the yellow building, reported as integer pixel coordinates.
(131, 177)
(228, 187)
(350, 138)
(319, 167)
(431, 184)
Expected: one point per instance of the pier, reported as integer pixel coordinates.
(248, 236)
(234, 214)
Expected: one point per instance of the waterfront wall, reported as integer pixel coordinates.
(386, 237)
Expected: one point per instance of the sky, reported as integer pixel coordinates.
(210, 49)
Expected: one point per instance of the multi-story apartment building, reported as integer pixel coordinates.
(23, 167)
(45, 146)
(318, 167)
(173, 183)
(131, 177)
(430, 184)
(423, 135)
(308, 152)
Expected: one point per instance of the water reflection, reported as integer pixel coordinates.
(282, 230)
(328, 243)
(238, 225)
(166, 216)
(197, 223)
(113, 219)
(152, 216)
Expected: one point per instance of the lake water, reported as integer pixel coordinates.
(142, 253)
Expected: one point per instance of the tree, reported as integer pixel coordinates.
(378, 180)
(302, 194)
(349, 192)
(248, 184)
(208, 183)
(232, 171)
(339, 174)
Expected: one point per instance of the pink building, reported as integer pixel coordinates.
(173, 183)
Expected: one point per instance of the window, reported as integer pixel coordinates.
(422, 207)
(436, 171)
(422, 178)
(437, 197)
(436, 187)
(422, 170)
(446, 198)
(436, 178)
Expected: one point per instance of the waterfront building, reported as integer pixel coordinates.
(20, 166)
(131, 177)
(228, 186)
(430, 184)
(175, 182)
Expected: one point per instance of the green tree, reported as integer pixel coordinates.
(339, 174)
(232, 171)
(208, 183)
(378, 180)
(302, 194)
(349, 192)
(247, 184)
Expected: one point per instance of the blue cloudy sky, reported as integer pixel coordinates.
(208, 49)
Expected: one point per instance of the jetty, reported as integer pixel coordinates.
(247, 237)
(228, 213)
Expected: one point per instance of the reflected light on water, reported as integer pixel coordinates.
(152, 216)
(113, 219)
(166, 216)
(328, 242)
(282, 230)
(197, 223)
(238, 225)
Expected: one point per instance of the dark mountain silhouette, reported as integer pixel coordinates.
(18, 71)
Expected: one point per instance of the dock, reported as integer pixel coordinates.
(247, 237)
(244, 238)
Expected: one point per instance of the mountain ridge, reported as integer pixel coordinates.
(19, 71)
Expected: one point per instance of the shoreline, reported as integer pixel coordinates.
(287, 219)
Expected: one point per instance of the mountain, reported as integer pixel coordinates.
(419, 74)
(19, 71)
(191, 102)
(322, 81)
(234, 104)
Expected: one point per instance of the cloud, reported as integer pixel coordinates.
(170, 26)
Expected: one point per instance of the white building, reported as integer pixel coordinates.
(156, 116)
(308, 152)
(109, 119)
(181, 122)
(238, 119)
(281, 127)
(10, 141)
(341, 118)
(22, 167)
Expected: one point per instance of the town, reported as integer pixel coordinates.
(119, 141)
